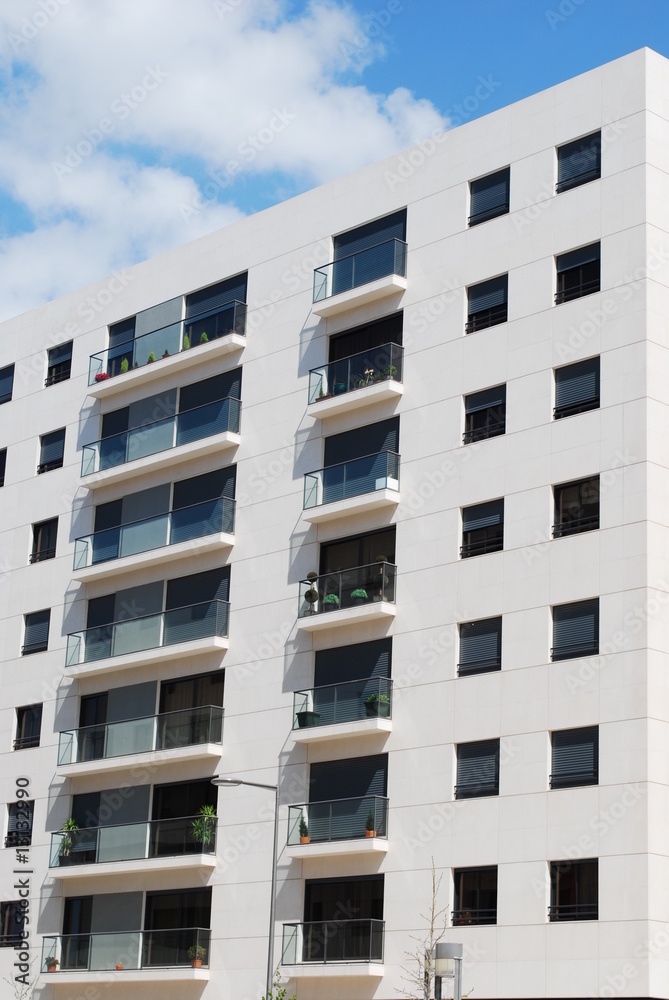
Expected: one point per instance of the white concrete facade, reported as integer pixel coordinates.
(270, 652)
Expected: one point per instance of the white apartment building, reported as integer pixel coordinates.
(363, 496)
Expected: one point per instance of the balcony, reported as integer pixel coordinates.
(137, 956)
(364, 593)
(338, 711)
(160, 444)
(363, 484)
(179, 345)
(163, 845)
(365, 276)
(341, 826)
(333, 947)
(187, 734)
(186, 532)
(194, 629)
(359, 380)
(474, 916)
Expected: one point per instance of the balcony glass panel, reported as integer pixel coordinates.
(379, 364)
(167, 340)
(339, 819)
(175, 526)
(171, 730)
(134, 841)
(196, 621)
(352, 479)
(347, 588)
(333, 941)
(161, 435)
(369, 697)
(360, 268)
(131, 949)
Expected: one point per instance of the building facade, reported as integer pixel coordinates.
(362, 496)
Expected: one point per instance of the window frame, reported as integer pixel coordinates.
(3, 465)
(584, 404)
(493, 315)
(494, 415)
(471, 916)
(58, 371)
(487, 664)
(41, 532)
(22, 819)
(488, 538)
(40, 646)
(7, 397)
(576, 264)
(12, 913)
(54, 463)
(564, 524)
(577, 910)
(577, 777)
(28, 742)
(466, 758)
(572, 149)
(572, 651)
(494, 211)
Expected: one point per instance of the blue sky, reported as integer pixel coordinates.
(131, 126)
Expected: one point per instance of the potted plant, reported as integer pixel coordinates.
(390, 371)
(124, 366)
(69, 828)
(330, 602)
(308, 718)
(369, 824)
(204, 339)
(197, 955)
(102, 376)
(359, 595)
(151, 358)
(186, 346)
(304, 831)
(203, 828)
(378, 705)
(166, 354)
(311, 595)
(51, 963)
(119, 966)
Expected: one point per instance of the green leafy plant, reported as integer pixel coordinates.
(278, 992)
(124, 366)
(390, 371)
(150, 358)
(374, 698)
(197, 953)
(51, 962)
(359, 592)
(331, 600)
(304, 829)
(203, 829)
(369, 822)
(69, 828)
(204, 339)
(186, 342)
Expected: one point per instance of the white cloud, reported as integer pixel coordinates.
(112, 110)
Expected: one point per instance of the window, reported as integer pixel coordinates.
(489, 197)
(6, 383)
(365, 254)
(475, 896)
(19, 823)
(576, 388)
(485, 414)
(578, 273)
(575, 757)
(12, 922)
(3, 465)
(59, 364)
(579, 161)
(480, 646)
(44, 540)
(576, 507)
(576, 630)
(574, 890)
(36, 633)
(478, 769)
(28, 727)
(487, 304)
(51, 449)
(482, 528)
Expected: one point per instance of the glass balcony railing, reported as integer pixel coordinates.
(195, 621)
(168, 731)
(333, 941)
(161, 435)
(379, 364)
(350, 701)
(170, 528)
(111, 950)
(181, 336)
(347, 588)
(134, 841)
(338, 819)
(360, 268)
(352, 479)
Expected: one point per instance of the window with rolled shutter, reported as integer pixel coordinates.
(19, 823)
(485, 414)
(478, 769)
(579, 161)
(578, 273)
(36, 632)
(59, 364)
(480, 646)
(6, 383)
(575, 757)
(576, 388)
(487, 303)
(52, 448)
(489, 196)
(576, 629)
(482, 528)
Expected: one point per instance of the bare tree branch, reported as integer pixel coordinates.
(419, 967)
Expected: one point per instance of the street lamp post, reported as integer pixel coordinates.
(448, 965)
(272, 903)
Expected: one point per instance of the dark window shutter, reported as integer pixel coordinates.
(52, 445)
(483, 515)
(478, 769)
(6, 383)
(122, 333)
(576, 629)
(352, 663)
(575, 757)
(488, 294)
(371, 234)
(216, 296)
(3, 464)
(489, 196)
(36, 636)
(352, 778)
(576, 384)
(579, 161)
(115, 422)
(198, 588)
(210, 390)
(480, 646)
(58, 355)
(365, 338)
(210, 486)
(576, 258)
(369, 440)
(486, 399)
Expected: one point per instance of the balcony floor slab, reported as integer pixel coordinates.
(154, 758)
(70, 977)
(334, 970)
(375, 611)
(139, 866)
(159, 654)
(351, 506)
(342, 730)
(348, 402)
(220, 541)
(337, 849)
(382, 288)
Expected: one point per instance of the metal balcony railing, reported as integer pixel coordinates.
(573, 911)
(379, 364)
(352, 479)
(360, 268)
(350, 701)
(170, 528)
(576, 291)
(195, 621)
(126, 950)
(161, 435)
(134, 841)
(347, 588)
(323, 941)
(575, 525)
(167, 731)
(570, 650)
(475, 916)
(486, 317)
(166, 341)
(338, 819)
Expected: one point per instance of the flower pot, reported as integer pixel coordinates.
(119, 967)
(370, 833)
(196, 963)
(52, 968)
(380, 709)
(307, 718)
(305, 840)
